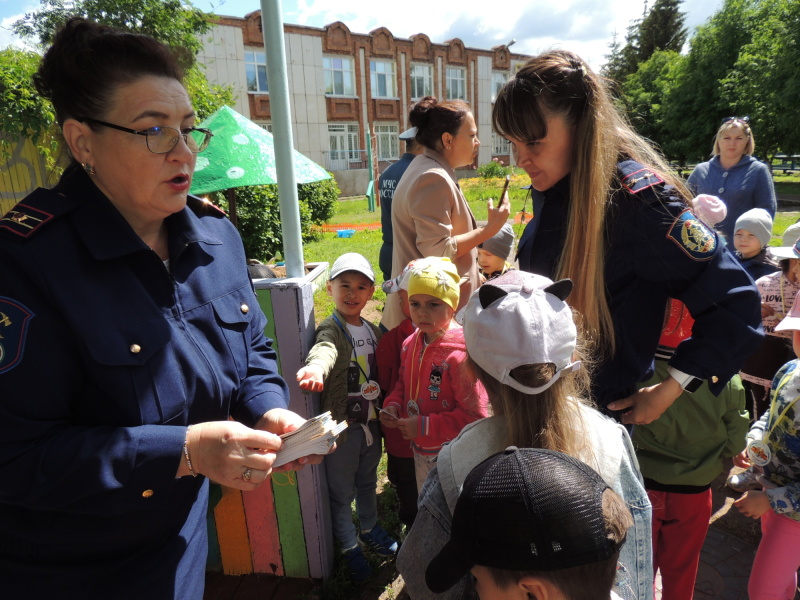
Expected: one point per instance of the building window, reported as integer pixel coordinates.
(421, 81)
(500, 145)
(456, 84)
(343, 143)
(338, 75)
(498, 81)
(255, 67)
(386, 142)
(382, 79)
(265, 126)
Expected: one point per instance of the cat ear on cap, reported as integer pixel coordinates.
(560, 289)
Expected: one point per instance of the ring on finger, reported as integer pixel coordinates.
(248, 472)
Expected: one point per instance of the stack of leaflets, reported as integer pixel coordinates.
(316, 436)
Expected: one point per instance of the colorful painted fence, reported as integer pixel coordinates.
(20, 174)
(283, 528)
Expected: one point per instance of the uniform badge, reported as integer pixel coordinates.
(693, 236)
(14, 319)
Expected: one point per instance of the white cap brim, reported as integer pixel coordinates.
(789, 323)
(408, 134)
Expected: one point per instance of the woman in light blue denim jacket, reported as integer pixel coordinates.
(534, 385)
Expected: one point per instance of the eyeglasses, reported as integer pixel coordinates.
(161, 140)
(742, 119)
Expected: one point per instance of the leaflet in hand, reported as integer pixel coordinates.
(316, 436)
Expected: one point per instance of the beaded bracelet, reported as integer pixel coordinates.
(186, 455)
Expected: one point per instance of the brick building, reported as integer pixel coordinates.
(344, 84)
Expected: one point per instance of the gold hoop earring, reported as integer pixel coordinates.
(89, 168)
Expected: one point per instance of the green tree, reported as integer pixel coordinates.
(644, 94)
(662, 29)
(764, 81)
(23, 113)
(176, 23)
(698, 100)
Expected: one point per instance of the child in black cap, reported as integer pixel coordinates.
(534, 523)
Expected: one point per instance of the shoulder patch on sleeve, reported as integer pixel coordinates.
(24, 220)
(34, 212)
(14, 319)
(641, 179)
(693, 236)
(201, 206)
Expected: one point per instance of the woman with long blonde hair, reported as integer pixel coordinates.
(734, 174)
(610, 215)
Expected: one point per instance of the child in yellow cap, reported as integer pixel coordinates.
(433, 398)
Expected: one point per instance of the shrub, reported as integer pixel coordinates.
(259, 219)
(494, 169)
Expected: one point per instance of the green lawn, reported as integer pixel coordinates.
(477, 191)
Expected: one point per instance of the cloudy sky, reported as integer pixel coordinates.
(584, 26)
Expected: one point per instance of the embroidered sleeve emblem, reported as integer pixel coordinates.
(14, 319)
(693, 236)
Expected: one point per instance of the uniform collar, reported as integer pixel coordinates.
(104, 230)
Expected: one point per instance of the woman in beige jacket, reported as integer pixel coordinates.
(430, 216)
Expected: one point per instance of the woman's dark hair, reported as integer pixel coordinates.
(433, 118)
(88, 62)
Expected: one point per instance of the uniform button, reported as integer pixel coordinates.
(245, 309)
(720, 190)
(136, 348)
(147, 493)
(725, 174)
(714, 379)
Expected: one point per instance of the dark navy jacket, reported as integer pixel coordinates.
(656, 250)
(386, 186)
(106, 358)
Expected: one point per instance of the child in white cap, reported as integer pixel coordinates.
(434, 398)
(342, 366)
(523, 347)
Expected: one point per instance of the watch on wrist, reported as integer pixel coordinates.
(688, 383)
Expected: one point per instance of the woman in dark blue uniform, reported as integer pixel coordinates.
(129, 334)
(611, 216)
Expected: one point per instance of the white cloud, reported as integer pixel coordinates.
(7, 36)
(584, 26)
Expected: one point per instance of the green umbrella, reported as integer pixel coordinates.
(241, 153)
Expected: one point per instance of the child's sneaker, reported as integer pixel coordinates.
(377, 540)
(742, 482)
(357, 564)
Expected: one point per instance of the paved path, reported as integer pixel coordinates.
(724, 568)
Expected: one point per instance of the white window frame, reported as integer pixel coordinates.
(386, 141)
(346, 76)
(499, 79)
(343, 142)
(382, 78)
(456, 83)
(255, 61)
(500, 145)
(421, 77)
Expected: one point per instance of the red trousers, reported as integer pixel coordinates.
(680, 524)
